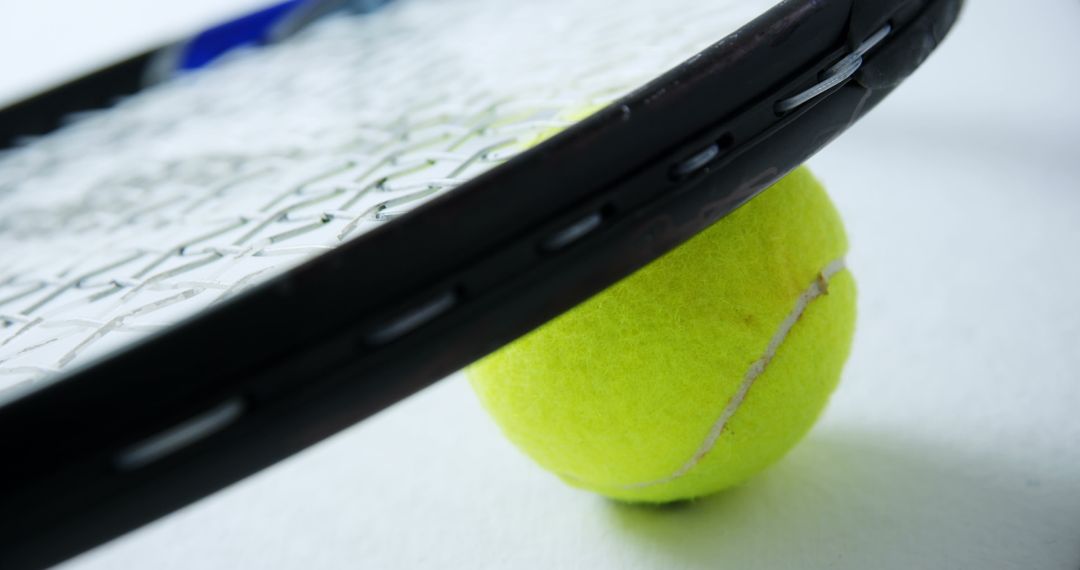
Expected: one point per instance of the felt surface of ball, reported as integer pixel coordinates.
(695, 372)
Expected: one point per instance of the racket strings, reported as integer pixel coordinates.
(132, 218)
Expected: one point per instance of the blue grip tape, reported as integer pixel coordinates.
(252, 29)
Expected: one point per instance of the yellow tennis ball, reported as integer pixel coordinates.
(695, 372)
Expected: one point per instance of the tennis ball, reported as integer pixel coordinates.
(695, 372)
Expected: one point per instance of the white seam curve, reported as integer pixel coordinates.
(819, 287)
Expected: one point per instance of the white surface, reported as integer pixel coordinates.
(44, 43)
(953, 441)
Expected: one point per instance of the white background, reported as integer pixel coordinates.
(953, 441)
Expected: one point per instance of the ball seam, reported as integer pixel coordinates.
(819, 287)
